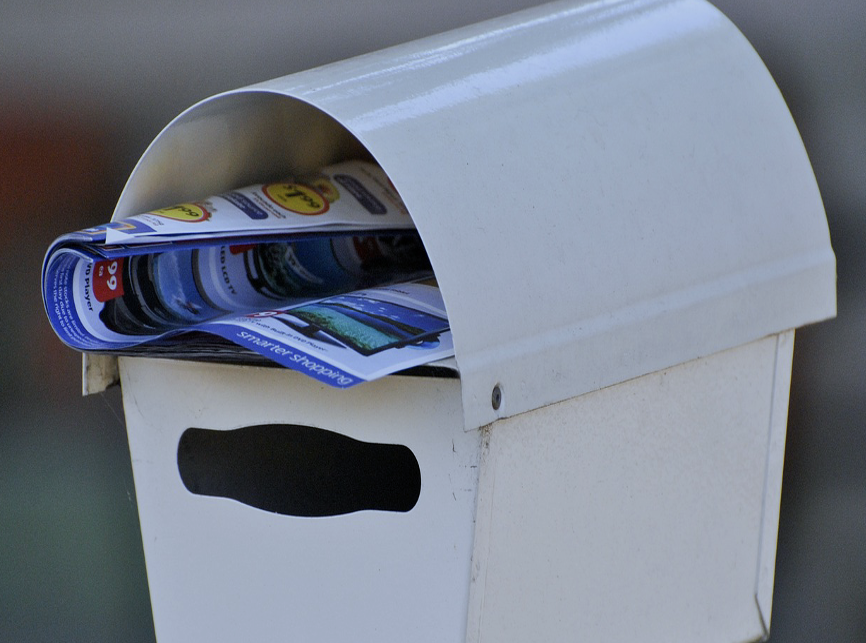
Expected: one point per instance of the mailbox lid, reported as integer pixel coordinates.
(604, 189)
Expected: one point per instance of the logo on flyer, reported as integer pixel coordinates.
(188, 212)
(107, 281)
(297, 198)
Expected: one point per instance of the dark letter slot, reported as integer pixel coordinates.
(298, 470)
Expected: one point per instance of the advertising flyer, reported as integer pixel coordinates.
(325, 275)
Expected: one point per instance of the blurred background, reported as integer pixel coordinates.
(86, 85)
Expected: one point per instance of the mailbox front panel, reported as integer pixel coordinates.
(223, 570)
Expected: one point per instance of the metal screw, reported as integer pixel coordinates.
(496, 397)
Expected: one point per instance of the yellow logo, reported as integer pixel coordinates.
(189, 212)
(297, 197)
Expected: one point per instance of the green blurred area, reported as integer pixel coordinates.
(71, 556)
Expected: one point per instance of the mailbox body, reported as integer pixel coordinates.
(626, 231)
(643, 511)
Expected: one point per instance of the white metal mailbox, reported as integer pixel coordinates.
(626, 230)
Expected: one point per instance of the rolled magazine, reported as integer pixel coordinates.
(324, 274)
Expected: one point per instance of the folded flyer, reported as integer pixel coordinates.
(325, 275)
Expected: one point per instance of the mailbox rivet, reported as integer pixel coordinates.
(496, 397)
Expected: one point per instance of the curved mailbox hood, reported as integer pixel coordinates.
(604, 189)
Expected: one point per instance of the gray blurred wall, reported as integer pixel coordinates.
(85, 86)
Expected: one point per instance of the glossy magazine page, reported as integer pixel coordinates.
(336, 300)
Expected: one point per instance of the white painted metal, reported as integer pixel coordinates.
(605, 189)
(645, 511)
(635, 513)
(98, 372)
(772, 497)
(220, 571)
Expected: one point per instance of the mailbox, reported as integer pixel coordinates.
(626, 231)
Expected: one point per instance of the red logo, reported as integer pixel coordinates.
(107, 281)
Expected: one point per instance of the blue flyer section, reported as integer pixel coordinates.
(364, 334)
(59, 305)
(72, 306)
(117, 304)
(285, 355)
